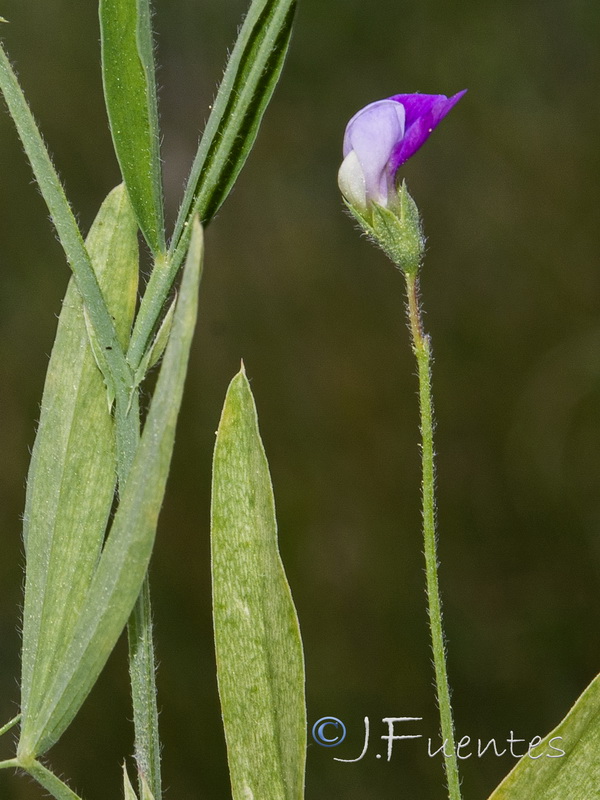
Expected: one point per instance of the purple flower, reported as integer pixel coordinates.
(381, 137)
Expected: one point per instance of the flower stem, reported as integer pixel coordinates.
(422, 350)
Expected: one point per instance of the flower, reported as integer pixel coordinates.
(383, 136)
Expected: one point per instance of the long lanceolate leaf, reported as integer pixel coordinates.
(130, 93)
(260, 666)
(122, 566)
(66, 226)
(72, 473)
(565, 765)
(248, 84)
(50, 782)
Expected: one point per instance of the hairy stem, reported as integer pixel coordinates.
(422, 350)
(11, 724)
(65, 224)
(142, 670)
(142, 666)
(156, 294)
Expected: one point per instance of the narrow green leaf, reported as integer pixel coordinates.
(566, 763)
(72, 473)
(122, 566)
(130, 93)
(260, 666)
(250, 79)
(64, 221)
(248, 84)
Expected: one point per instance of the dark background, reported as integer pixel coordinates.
(508, 187)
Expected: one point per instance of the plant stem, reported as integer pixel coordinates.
(422, 350)
(127, 428)
(9, 725)
(65, 224)
(142, 665)
(156, 293)
(142, 675)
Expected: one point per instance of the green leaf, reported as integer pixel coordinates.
(260, 666)
(72, 473)
(122, 566)
(548, 775)
(50, 782)
(248, 84)
(130, 93)
(64, 222)
(250, 79)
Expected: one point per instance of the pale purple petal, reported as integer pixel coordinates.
(423, 113)
(373, 134)
(400, 113)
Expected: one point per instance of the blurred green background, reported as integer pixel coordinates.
(508, 187)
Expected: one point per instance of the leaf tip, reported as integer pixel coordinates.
(128, 791)
(240, 383)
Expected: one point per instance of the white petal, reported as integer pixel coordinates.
(351, 181)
